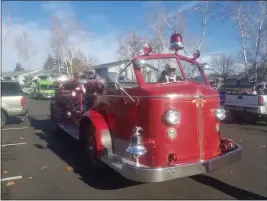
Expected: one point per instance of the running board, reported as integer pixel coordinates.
(73, 132)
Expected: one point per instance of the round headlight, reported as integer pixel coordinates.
(172, 117)
(220, 114)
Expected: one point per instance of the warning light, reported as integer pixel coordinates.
(147, 49)
(176, 42)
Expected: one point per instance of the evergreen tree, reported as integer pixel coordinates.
(19, 67)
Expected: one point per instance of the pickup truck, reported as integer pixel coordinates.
(250, 106)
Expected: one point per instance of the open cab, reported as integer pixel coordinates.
(145, 125)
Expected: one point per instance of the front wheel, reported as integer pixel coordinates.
(90, 145)
(57, 131)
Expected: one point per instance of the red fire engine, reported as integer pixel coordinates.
(157, 120)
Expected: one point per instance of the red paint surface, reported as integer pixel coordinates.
(119, 114)
(124, 115)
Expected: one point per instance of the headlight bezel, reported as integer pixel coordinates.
(172, 113)
(220, 113)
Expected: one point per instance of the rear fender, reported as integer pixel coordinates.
(102, 131)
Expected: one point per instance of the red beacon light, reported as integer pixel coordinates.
(196, 55)
(176, 42)
(147, 49)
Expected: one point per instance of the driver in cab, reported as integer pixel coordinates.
(169, 74)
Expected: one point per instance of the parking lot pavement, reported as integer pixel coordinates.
(54, 168)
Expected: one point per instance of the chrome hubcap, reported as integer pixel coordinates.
(91, 149)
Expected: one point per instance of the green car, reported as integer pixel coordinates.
(27, 89)
(45, 90)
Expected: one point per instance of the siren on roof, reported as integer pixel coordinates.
(147, 49)
(176, 42)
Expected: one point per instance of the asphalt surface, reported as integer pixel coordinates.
(54, 168)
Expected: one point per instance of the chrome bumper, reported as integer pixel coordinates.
(46, 96)
(242, 109)
(145, 174)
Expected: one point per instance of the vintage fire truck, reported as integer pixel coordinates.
(145, 129)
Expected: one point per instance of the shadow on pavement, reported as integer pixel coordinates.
(246, 122)
(235, 192)
(70, 151)
(15, 120)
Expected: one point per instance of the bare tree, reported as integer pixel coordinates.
(81, 62)
(130, 45)
(250, 19)
(223, 66)
(257, 38)
(26, 49)
(160, 22)
(67, 38)
(58, 39)
(92, 61)
(240, 13)
(205, 9)
(7, 23)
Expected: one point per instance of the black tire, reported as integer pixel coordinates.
(3, 118)
(57, 131)
(236, 117)
(95, 164)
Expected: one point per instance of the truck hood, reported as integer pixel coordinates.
(186, 89)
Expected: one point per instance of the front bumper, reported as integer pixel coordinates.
(144, 174)
(45, 96)
(20, 112)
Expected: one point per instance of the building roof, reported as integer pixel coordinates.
(32, 73)
(234, 77)
(14, 73)
(18, 73)
(109, 65)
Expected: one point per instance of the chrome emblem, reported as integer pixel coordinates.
(200, 100)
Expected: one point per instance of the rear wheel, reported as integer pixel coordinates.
(3, 118)
(237, 117)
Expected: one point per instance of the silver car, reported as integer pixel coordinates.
(14, 101)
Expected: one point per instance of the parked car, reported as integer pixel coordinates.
(14, 101)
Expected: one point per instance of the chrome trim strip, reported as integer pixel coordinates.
(169, 96)
(146, 174)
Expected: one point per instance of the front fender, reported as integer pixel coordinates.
(102, 131)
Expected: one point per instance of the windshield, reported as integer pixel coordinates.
(43, 77)
(192, 72)
(46, 87)
(166, 70)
